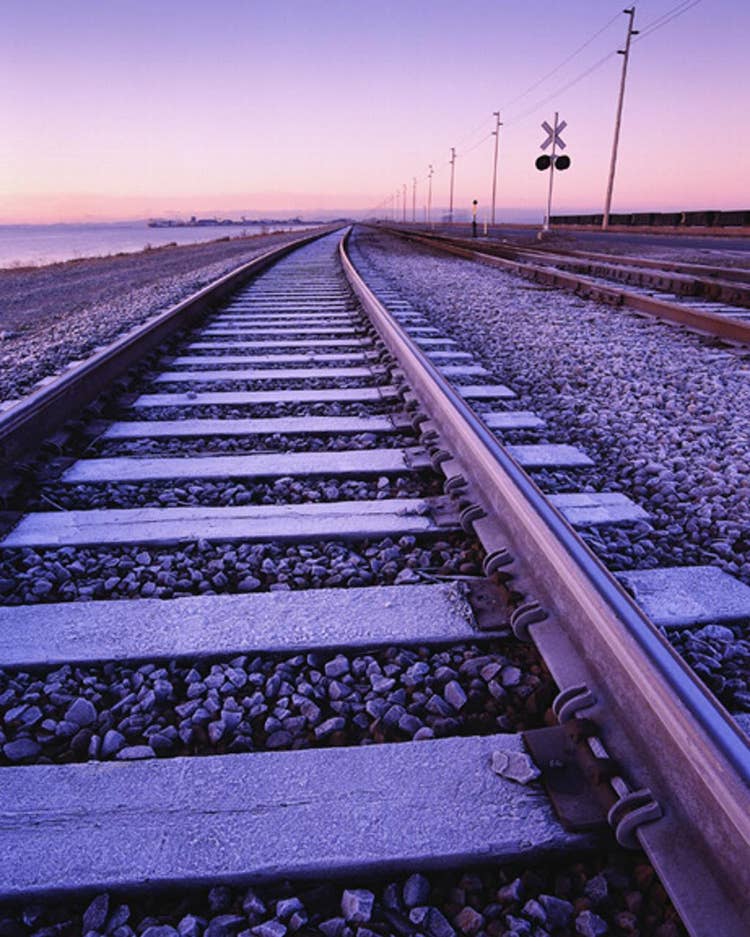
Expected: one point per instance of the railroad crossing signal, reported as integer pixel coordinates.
(544, 162)
(553, 161)
(553, 134)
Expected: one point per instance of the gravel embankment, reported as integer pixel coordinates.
(663, 413)
(263, 703)
(616, 895)
(52, 315)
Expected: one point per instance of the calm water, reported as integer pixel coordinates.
(24, 245)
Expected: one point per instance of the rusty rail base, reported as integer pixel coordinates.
(26, 423)
(656, 719)
(706, 323)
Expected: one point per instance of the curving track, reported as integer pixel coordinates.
(276, 526)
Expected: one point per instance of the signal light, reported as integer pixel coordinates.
(543, 162)
(562, 162)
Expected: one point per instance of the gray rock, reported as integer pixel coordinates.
(559, 912)
(337, 667)
(516, 766)
(252, 904)
(716, 633)
(112, 743)
(510, 676)
(357, 905)
(333, 927)
(82, 712)
(134, 753)
(286, 907)
(336, 724)
(381, 684)
(191, 926)
(416, 891)
(454, 695)
(596, 889)
(120, 916)
(431, 921)
(512, 892)
(95, 915)
(589, 924)
(160, 930)
(21, 750)
(469, 921)
(227, 925)
(297, 920)
(533, 910)
(271, 928)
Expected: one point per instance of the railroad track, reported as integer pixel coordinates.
(707, 299)
(298, 540)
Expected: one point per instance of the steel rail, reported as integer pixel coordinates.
(653, 712)
(707, 272)
(39, 414)
(683, 314)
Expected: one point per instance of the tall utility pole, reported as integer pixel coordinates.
(453, 177)
(496, 135)
(397, 212)
(404, 203)
(414, 199)
(429, 196)
(625, 53)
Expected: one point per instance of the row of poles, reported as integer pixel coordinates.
(398, 201)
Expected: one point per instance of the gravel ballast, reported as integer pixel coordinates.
(236, 492)
(256, 703)
(204, 568)
(663, 413)
(618, 895)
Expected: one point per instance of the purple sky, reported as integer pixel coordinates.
(148, 107)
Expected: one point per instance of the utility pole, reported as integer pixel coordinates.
(429, 197)
(404, 203)
(396, 203)
(453, 176)
(496, 135)
(625, 53)
(414, 199)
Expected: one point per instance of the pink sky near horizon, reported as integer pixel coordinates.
(128, 110)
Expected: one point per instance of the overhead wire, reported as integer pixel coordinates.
(543, 79)
(564, 62)
(666, 18)
(558, 91)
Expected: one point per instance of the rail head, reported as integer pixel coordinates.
(654, 713)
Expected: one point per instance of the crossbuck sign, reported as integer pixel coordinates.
(553, 134)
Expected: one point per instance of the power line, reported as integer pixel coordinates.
(476, 145)
(667, 18)
(559, 91)
(541, 81)
(562, 64)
